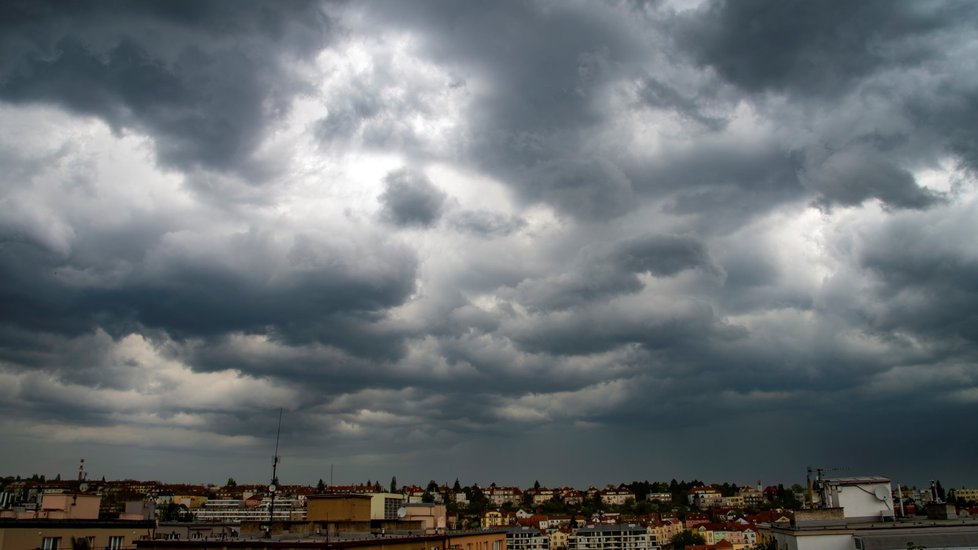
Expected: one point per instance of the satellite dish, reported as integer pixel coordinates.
(271, 488)
(401, 512)
(881, 493)
(83, 487)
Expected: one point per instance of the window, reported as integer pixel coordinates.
(115, 543)
(51, 543)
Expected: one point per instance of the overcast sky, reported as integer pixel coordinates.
(573, 242)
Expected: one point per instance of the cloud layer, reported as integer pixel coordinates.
(460, 241)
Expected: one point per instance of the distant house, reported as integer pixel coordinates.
(704, 497)
(616, 497)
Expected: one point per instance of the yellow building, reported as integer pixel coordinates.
(190, 501)
(492, 518)
(559, 540)
(966, 494)
(28, 534)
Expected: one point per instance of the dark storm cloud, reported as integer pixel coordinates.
(410, 199)
(599, 275)
(663, 255)
(204, 79)
(303, 289)
(850, 177)
(655, 93)
(644, 263)
(545, 71)
(924, 284)
(489, 224)
(813, 47)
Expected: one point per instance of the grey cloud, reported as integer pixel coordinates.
(311, 290)
(850, 177)
(410, 199)
(548, 67)
(585, 285)
(204, 80)
(599, 275)
(592, 189)
(805, 47)
(667, 297)
(489, 224)
(664, 255)
(600, 328)
(722, 187)
(655, 93)
(925, 284)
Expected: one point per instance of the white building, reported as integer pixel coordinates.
(236, 511)
(861, 498)
(526, 538)
(612, 537)
(946, 535)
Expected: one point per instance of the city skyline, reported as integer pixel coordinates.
(590, 240)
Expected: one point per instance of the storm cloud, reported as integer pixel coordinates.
(457, 240)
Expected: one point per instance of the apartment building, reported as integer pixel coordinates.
(46, 534)
(704, 497)
(612, 537)
(236, 511)
(501, 495)
(526, 538)
(616, 497)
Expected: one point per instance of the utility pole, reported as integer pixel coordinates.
(273, 486)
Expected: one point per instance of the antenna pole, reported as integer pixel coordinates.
(274, 485)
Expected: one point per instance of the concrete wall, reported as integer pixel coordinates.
(338, 508)
(860, 501)
(69, 506)
(814, 542)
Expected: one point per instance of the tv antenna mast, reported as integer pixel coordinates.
(273, 486)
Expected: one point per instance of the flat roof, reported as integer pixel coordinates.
(338, 496)
(856, 480)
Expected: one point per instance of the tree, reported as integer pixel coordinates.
(686, 538)
(457, 487)
(231, 482)
(536, 485)
(321, 486)
(394, 484)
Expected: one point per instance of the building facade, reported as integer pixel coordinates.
(612, 537)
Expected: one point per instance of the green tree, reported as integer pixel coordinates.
(686, 538)
(321, 486)
(231, 483)
(394, 484)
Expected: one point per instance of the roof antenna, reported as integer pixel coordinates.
(273, 486)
